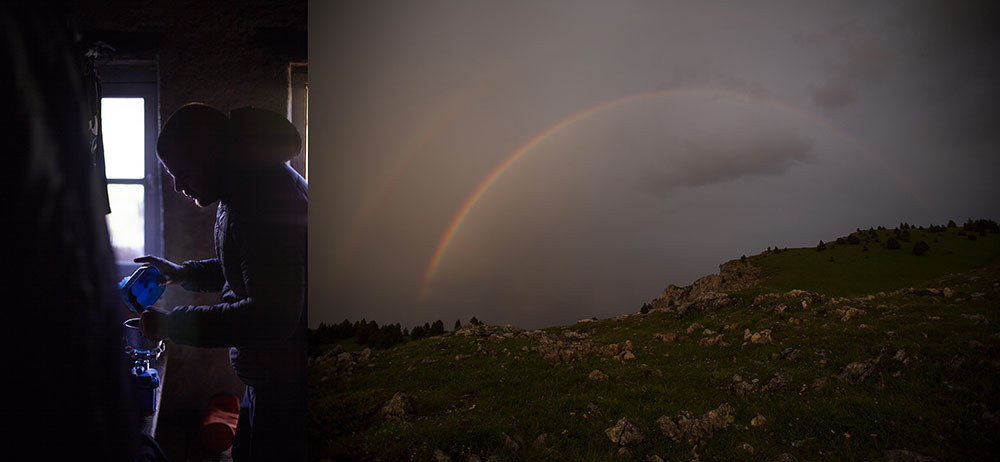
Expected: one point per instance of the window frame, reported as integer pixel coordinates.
(298, 112)
(140, 81)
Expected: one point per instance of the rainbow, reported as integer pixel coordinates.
(491, 178)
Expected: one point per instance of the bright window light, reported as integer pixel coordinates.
(123, 123)
(126, 222)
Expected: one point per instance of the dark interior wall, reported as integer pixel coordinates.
(227, 54)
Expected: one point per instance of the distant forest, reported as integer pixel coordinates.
(369, 333)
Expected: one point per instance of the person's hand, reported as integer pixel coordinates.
(170, 272)
(153, 323)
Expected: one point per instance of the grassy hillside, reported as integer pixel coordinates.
(857, 366)
(855, 271)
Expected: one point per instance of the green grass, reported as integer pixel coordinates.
(933, 407)
(856, 272)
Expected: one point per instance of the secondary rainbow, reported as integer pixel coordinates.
(470, 202)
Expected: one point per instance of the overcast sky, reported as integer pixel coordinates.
(645, 143)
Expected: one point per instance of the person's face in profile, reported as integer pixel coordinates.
(194, 175)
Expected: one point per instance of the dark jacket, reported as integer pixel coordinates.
(260, 268)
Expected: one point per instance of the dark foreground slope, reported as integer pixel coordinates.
(879, 354)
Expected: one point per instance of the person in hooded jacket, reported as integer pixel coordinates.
(259, 266)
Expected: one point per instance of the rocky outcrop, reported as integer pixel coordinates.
(707, 293)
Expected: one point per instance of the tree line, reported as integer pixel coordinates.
(371, 334)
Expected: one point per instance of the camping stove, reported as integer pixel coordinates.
(139, 291)
(143, 353)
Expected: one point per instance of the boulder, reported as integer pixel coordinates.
(713, 341)
(597, 376)
(761, 337)
(441, 456)
(398, 409)
(856, 372)
(624, 432)
(667, 338)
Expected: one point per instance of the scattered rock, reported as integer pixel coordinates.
(693, 327)
(976, 318)
(746, 447)
(902, 455)
(758, 421)
(624, 432)
(510, 443)
(685, 427)
(739, 387)
(653, 458)
(778, 380)
(473, 458)
(597, 376)
(624, 452)
(819, 383)
(947, 292)
(540, 441)
(573, 335)
(460, 357)
(788, 354)
(626, 355)
(593, 409)
(786, 457)
(847, 312)
(800, 443)
(708, 332)
(856, 372)
(667, 338)
(398, 409)
(441, 456)
(761, 337)
(713, 341)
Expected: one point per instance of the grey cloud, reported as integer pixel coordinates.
(705, 161)
(832, 94)
(860, 64)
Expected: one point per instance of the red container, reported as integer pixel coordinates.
(218, 424)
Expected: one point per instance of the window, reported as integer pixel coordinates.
(129, 125)
(298, 113)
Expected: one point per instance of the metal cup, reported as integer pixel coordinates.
(139, 344)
